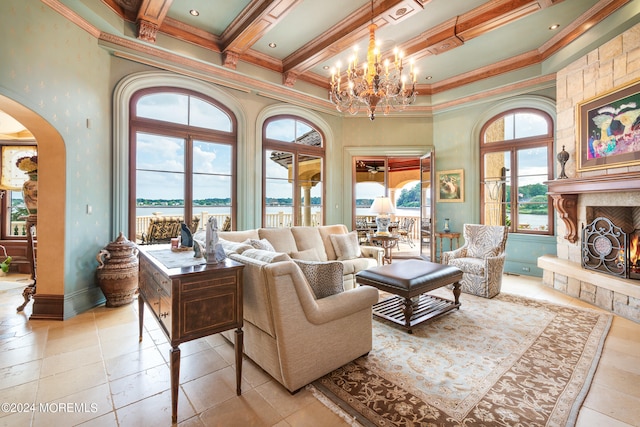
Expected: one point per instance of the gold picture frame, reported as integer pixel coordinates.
(609, 129)
(450, 185)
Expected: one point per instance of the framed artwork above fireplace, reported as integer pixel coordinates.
(609, 129)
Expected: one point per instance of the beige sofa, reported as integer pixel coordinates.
(294, 336)
(299, 241)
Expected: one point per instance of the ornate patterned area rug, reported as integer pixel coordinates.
(500, 362)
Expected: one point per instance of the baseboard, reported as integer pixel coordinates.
(47, 307)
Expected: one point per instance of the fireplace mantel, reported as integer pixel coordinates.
(565, 192)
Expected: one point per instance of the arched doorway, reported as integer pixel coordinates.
(48, 303)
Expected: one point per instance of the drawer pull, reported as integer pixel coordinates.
(161, 279)
(165, 314)
(156, 303)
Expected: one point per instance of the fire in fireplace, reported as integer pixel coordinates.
(610, 249)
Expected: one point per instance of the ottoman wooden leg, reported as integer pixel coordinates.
(456, 293)
(408, 313)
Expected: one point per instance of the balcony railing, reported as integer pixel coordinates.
(274, 220)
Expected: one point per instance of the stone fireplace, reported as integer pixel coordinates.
(578, 202)
(612, 65)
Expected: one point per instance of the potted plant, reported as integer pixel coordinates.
(4, 265)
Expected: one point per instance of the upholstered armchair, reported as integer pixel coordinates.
(481, 259)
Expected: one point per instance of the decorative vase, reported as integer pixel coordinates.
(30, 193)
(118, 271)
(446, 228)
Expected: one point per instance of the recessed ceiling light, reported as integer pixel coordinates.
(272, 45)
(554, 26)
(429, 77)
(194, 12)
(326, 67)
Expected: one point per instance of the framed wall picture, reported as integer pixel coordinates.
(450, 185)
(609, 129)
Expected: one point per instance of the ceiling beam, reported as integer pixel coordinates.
(253, 22)
(340, 37)
(149, 18)
(441, 38)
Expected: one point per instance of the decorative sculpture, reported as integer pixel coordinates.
(186, 238)
(214, 252)
(562, 157)
(197, 249)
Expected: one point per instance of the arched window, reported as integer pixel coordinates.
(516, 152)
(182, 154)
(293, 165)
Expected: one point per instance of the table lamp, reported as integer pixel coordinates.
(382, 206)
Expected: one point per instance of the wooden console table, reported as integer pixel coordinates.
(190, 302)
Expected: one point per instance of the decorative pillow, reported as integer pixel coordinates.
(230, 246)
(325, 278)
(346, 246)
(266, 256)
(307, 255)
(260, 244)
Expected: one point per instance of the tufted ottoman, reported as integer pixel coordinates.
(409, 281)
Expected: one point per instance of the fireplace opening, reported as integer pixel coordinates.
(634, 256)
(610, 241)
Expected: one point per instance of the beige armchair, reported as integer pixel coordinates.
(481, 259)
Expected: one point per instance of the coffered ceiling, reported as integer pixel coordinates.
(454, 42)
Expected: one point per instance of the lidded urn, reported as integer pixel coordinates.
(117, 272)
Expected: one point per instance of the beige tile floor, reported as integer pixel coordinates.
(95, 359)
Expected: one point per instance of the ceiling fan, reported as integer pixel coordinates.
(375, 169)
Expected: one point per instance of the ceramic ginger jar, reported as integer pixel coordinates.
(117, 271)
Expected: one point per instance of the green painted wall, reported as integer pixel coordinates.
(57, 70)
(456, 139)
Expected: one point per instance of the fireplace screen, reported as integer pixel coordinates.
(605, 248)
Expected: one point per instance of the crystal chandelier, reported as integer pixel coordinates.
(373, 83)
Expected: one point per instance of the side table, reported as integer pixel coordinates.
(447, 235)
(190, 302)
(387, 242)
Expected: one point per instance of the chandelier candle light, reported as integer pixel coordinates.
(374, 82)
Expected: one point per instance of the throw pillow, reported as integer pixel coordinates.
(306, 255)
(230, 247)
(263, 244)
(346, 246)
(266, 256)
(325, 278)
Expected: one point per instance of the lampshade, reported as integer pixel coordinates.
(382, 205)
